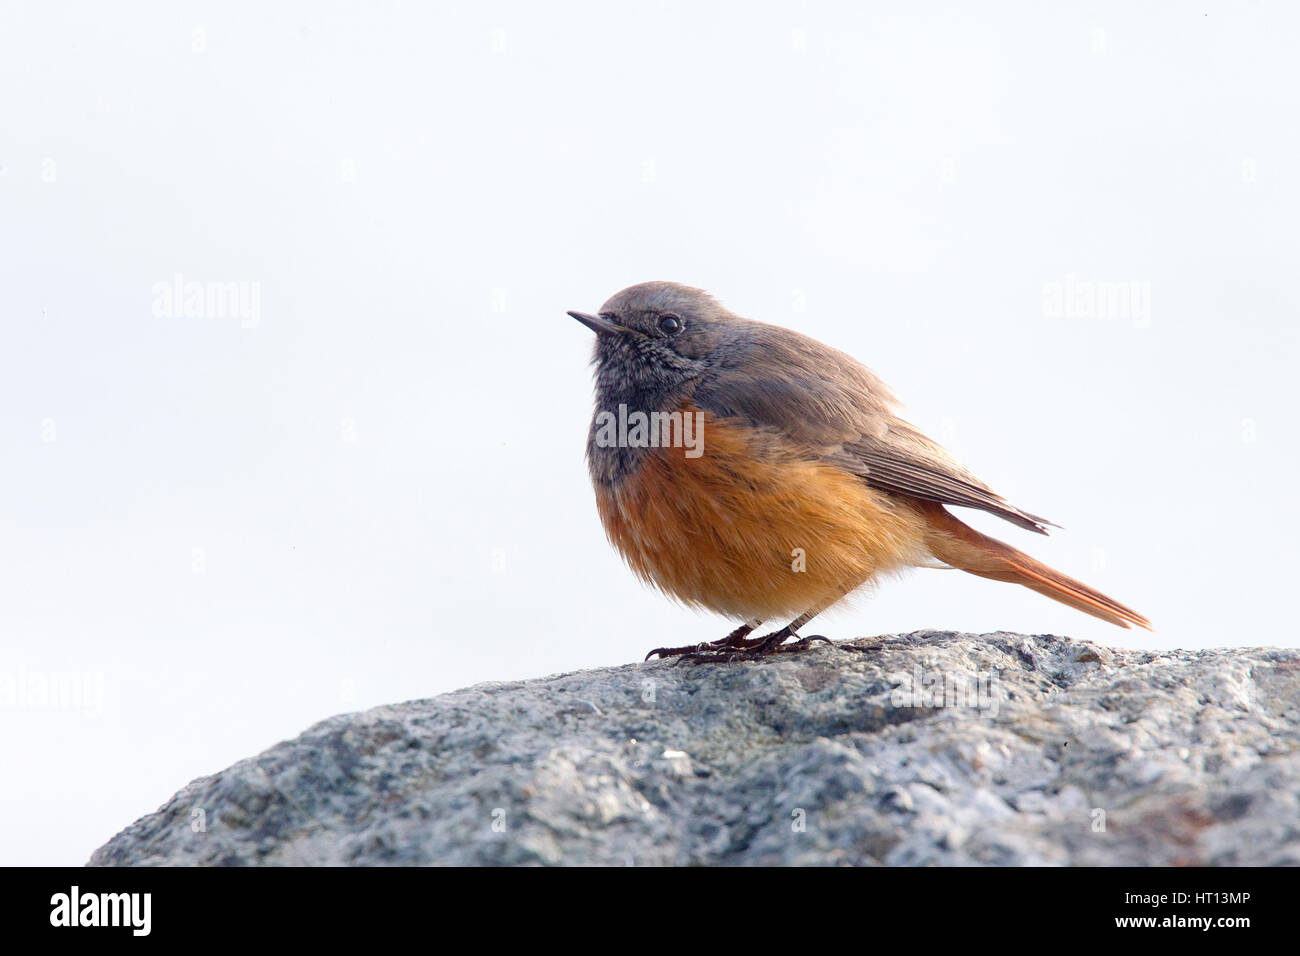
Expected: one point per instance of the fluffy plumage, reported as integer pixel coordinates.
(802, 451)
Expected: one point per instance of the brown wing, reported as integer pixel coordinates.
(904, 461)
(842, 412)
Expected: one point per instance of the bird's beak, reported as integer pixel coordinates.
(597, 324)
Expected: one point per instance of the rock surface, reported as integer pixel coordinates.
(925, 748)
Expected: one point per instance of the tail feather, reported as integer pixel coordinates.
(961, 546)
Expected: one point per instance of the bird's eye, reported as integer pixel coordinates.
(670, 324)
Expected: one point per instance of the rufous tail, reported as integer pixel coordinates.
(961, 546)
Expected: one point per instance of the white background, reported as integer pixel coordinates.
(376, 491)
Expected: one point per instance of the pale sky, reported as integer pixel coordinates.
(220, 528)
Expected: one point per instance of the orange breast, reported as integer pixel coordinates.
(753, 527)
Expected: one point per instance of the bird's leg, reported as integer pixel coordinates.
(735, 639)
(759, 646)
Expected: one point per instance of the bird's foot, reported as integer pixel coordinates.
(773, 643)
(736, 639)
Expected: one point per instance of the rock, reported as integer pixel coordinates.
(925, 748)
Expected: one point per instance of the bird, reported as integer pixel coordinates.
(753, 471)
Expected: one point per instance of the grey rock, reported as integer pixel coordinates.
(925, 748)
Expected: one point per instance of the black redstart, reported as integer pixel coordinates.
(756, 472)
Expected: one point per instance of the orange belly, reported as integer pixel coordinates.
(753, 528)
